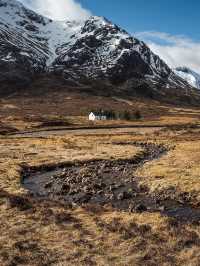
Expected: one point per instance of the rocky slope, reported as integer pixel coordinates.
(192, 77)
(80, 52)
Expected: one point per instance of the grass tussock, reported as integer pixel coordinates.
(43, 232)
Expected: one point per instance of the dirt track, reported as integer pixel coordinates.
(82, 131)
(89, 130)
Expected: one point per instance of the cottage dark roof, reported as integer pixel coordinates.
(98, 113)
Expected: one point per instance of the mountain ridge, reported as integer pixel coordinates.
(192, 77)
(80, 52)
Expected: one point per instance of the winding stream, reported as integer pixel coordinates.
(106, 182)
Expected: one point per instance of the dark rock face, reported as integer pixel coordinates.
(189, 75)
(18, 64)
(80, 52)
(102, 49)
(22, 52)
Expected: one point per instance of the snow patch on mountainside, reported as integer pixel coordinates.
(40, 30)
(189, 75)
(93, 48)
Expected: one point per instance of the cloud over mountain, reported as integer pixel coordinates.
(58, 9)
(175, 50)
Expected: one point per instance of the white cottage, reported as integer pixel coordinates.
(97, 116)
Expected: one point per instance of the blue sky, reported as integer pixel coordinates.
(169, 27)
(177, 17)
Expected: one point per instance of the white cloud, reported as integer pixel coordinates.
(58, 9)
(174, 50)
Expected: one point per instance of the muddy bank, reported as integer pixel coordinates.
(106, 182)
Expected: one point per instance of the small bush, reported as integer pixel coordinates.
(21, 203)
(127, 115)
(122, 115)
(137, 115)
(64, 218)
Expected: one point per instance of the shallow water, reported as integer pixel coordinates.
(106, 182)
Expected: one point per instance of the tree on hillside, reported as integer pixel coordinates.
(137, 115)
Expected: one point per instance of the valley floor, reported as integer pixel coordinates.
(154, 222)
(35, 231)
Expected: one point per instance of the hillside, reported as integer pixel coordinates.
(192, 77)
(91, 53)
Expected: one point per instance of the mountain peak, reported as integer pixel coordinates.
(93, 49)
(192, 77)
(16, 14)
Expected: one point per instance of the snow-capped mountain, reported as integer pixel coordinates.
(192, 77)
(91, 49)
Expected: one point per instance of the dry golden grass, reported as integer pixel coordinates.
(20, 111)
(53, 150)
(179, 168)
(49, 234)
(38, 233)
